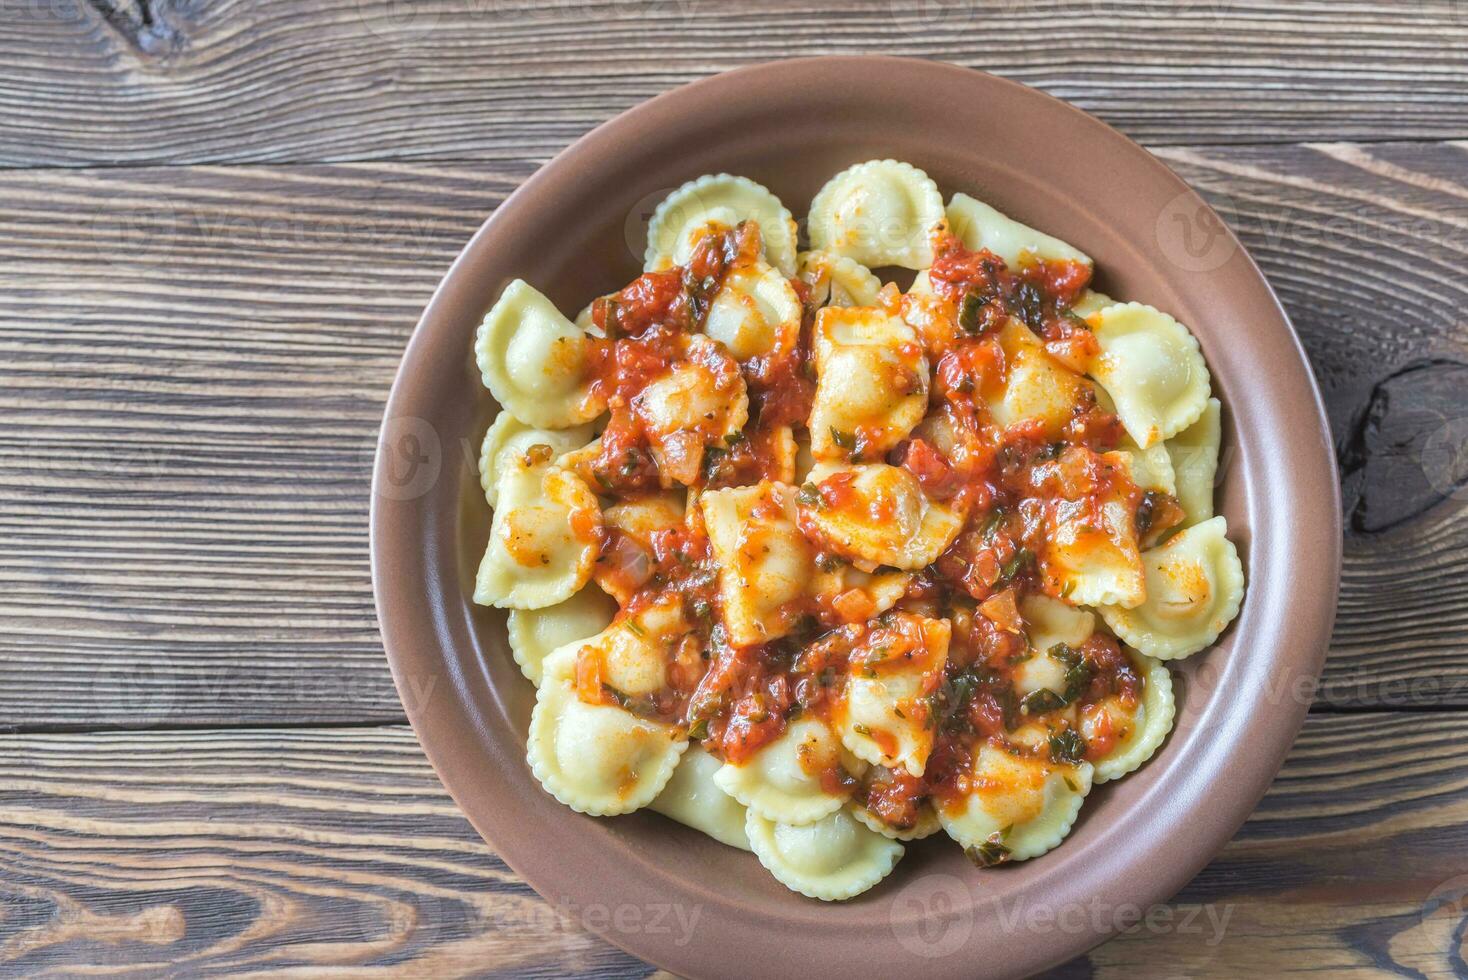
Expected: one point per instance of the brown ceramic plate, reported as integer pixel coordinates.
(667, 893)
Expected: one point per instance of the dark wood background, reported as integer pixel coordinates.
(218, 224)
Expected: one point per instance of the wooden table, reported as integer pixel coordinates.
(218, 224)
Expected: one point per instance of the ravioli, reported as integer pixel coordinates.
(927, 823)
(693, 799)
(1152, 368)
(595, 758)
(836, 280)
(790, 779)
(1050, 623)
(543, 540)
(872, 383)
(1194, 587)
(535, 633)
(721, 201)
(754, 311)
(878, 213)
(1037, 388)
(1194, 456)
(980, 226)
(874, 514)
(765, 564)
(1135, 730)
(1091, 557)
(832, 859)
(1020, 805)
(536, 362)
(697, 402)
(888, 718)
(507, 437)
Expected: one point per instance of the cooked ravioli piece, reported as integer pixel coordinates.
(697, 402)
(872, 383)
(1194, 455)
(1037, 387)
(507, 437)
(596, 758)
(1053, 629)
(926, 826)
(857, 596)
(1124, 733)
(1020, 805)
(543, 540)
(1152, 368)
(980, 226)
(1195, 584)
(718, 201)
(831, 859)
(693, 799)
(794, 779)
(879, 213)
(1091, 556)
(765, 564)
(627, 564)
(1151, 469)
(836, 280)
(535, 361)
(629, 659)
(888, 719)
(535, 633)
(876, 514)
(754, 311)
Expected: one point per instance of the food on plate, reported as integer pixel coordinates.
(820, 567)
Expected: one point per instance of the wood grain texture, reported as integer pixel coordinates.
(281, 852)
(193, 363)
(195, 81)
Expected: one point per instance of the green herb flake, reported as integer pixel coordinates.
(1041, 701)
(699, 729)
(845, 440)
(808, 495)
(968, 312)
(862, 730)
(988, 854)
(1067, 747)
(636, 627)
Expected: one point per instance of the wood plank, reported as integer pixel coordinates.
(284, 851)
(193, 363)
(166, 81)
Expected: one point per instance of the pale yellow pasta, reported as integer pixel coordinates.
(1022, 804)
(1091, 557)
(879, 213)
(543, 539)
(1194, 586)
(832, 859)
(693, 799)
(534, 361)
(596, 758)
(535, 633)
(887, 719)
(698, 402)
(1049, 622)
(765, 564)
(1150, 469)
(787, 780)
(1152, 368)
(1194, 455)
(718, 201)
(927, 823)
(872, 383)
(1037, 387)
(1138, 729)
(754, 309)
(1090, 302)
(882, 518)
(836, 280)
(978, 226)
(508, 437)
